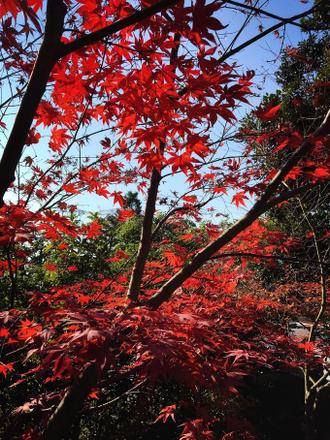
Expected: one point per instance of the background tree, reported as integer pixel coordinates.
(303, 76)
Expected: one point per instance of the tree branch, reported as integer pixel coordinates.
(111, 402)
(107, 31)
(262, 12)
(259, 208)
(288, 195)
(174, 210)
(323, 281)
(265, 257)
(273, 28)
(146, 237)
(71, 404)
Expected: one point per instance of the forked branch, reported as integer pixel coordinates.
(259, 208)
(146, 237)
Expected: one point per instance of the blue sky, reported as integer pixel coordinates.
(262, 57)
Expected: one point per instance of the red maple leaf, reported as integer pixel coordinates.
(93, 229)
(4, 332)
(203, 20)
(239, 199)
(59, 139)
(118, 198)
(52, 267)
(9, 7)
(268, 113)
(4, 368)
(166, 413)
(125, 214)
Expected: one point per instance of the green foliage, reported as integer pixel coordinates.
(132, 201)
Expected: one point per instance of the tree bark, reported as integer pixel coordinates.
(146, 238)
(310, 417)
(61, 421)
(44, 64)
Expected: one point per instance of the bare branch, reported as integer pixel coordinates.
(263, 34)
(174, 211)
(111, 402)
(265, 257)
(261, 11)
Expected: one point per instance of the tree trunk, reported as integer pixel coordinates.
(47, 57)
(61, 420)
(146, 238)
(310, 422)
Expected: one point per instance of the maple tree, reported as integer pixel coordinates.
(153, 79)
